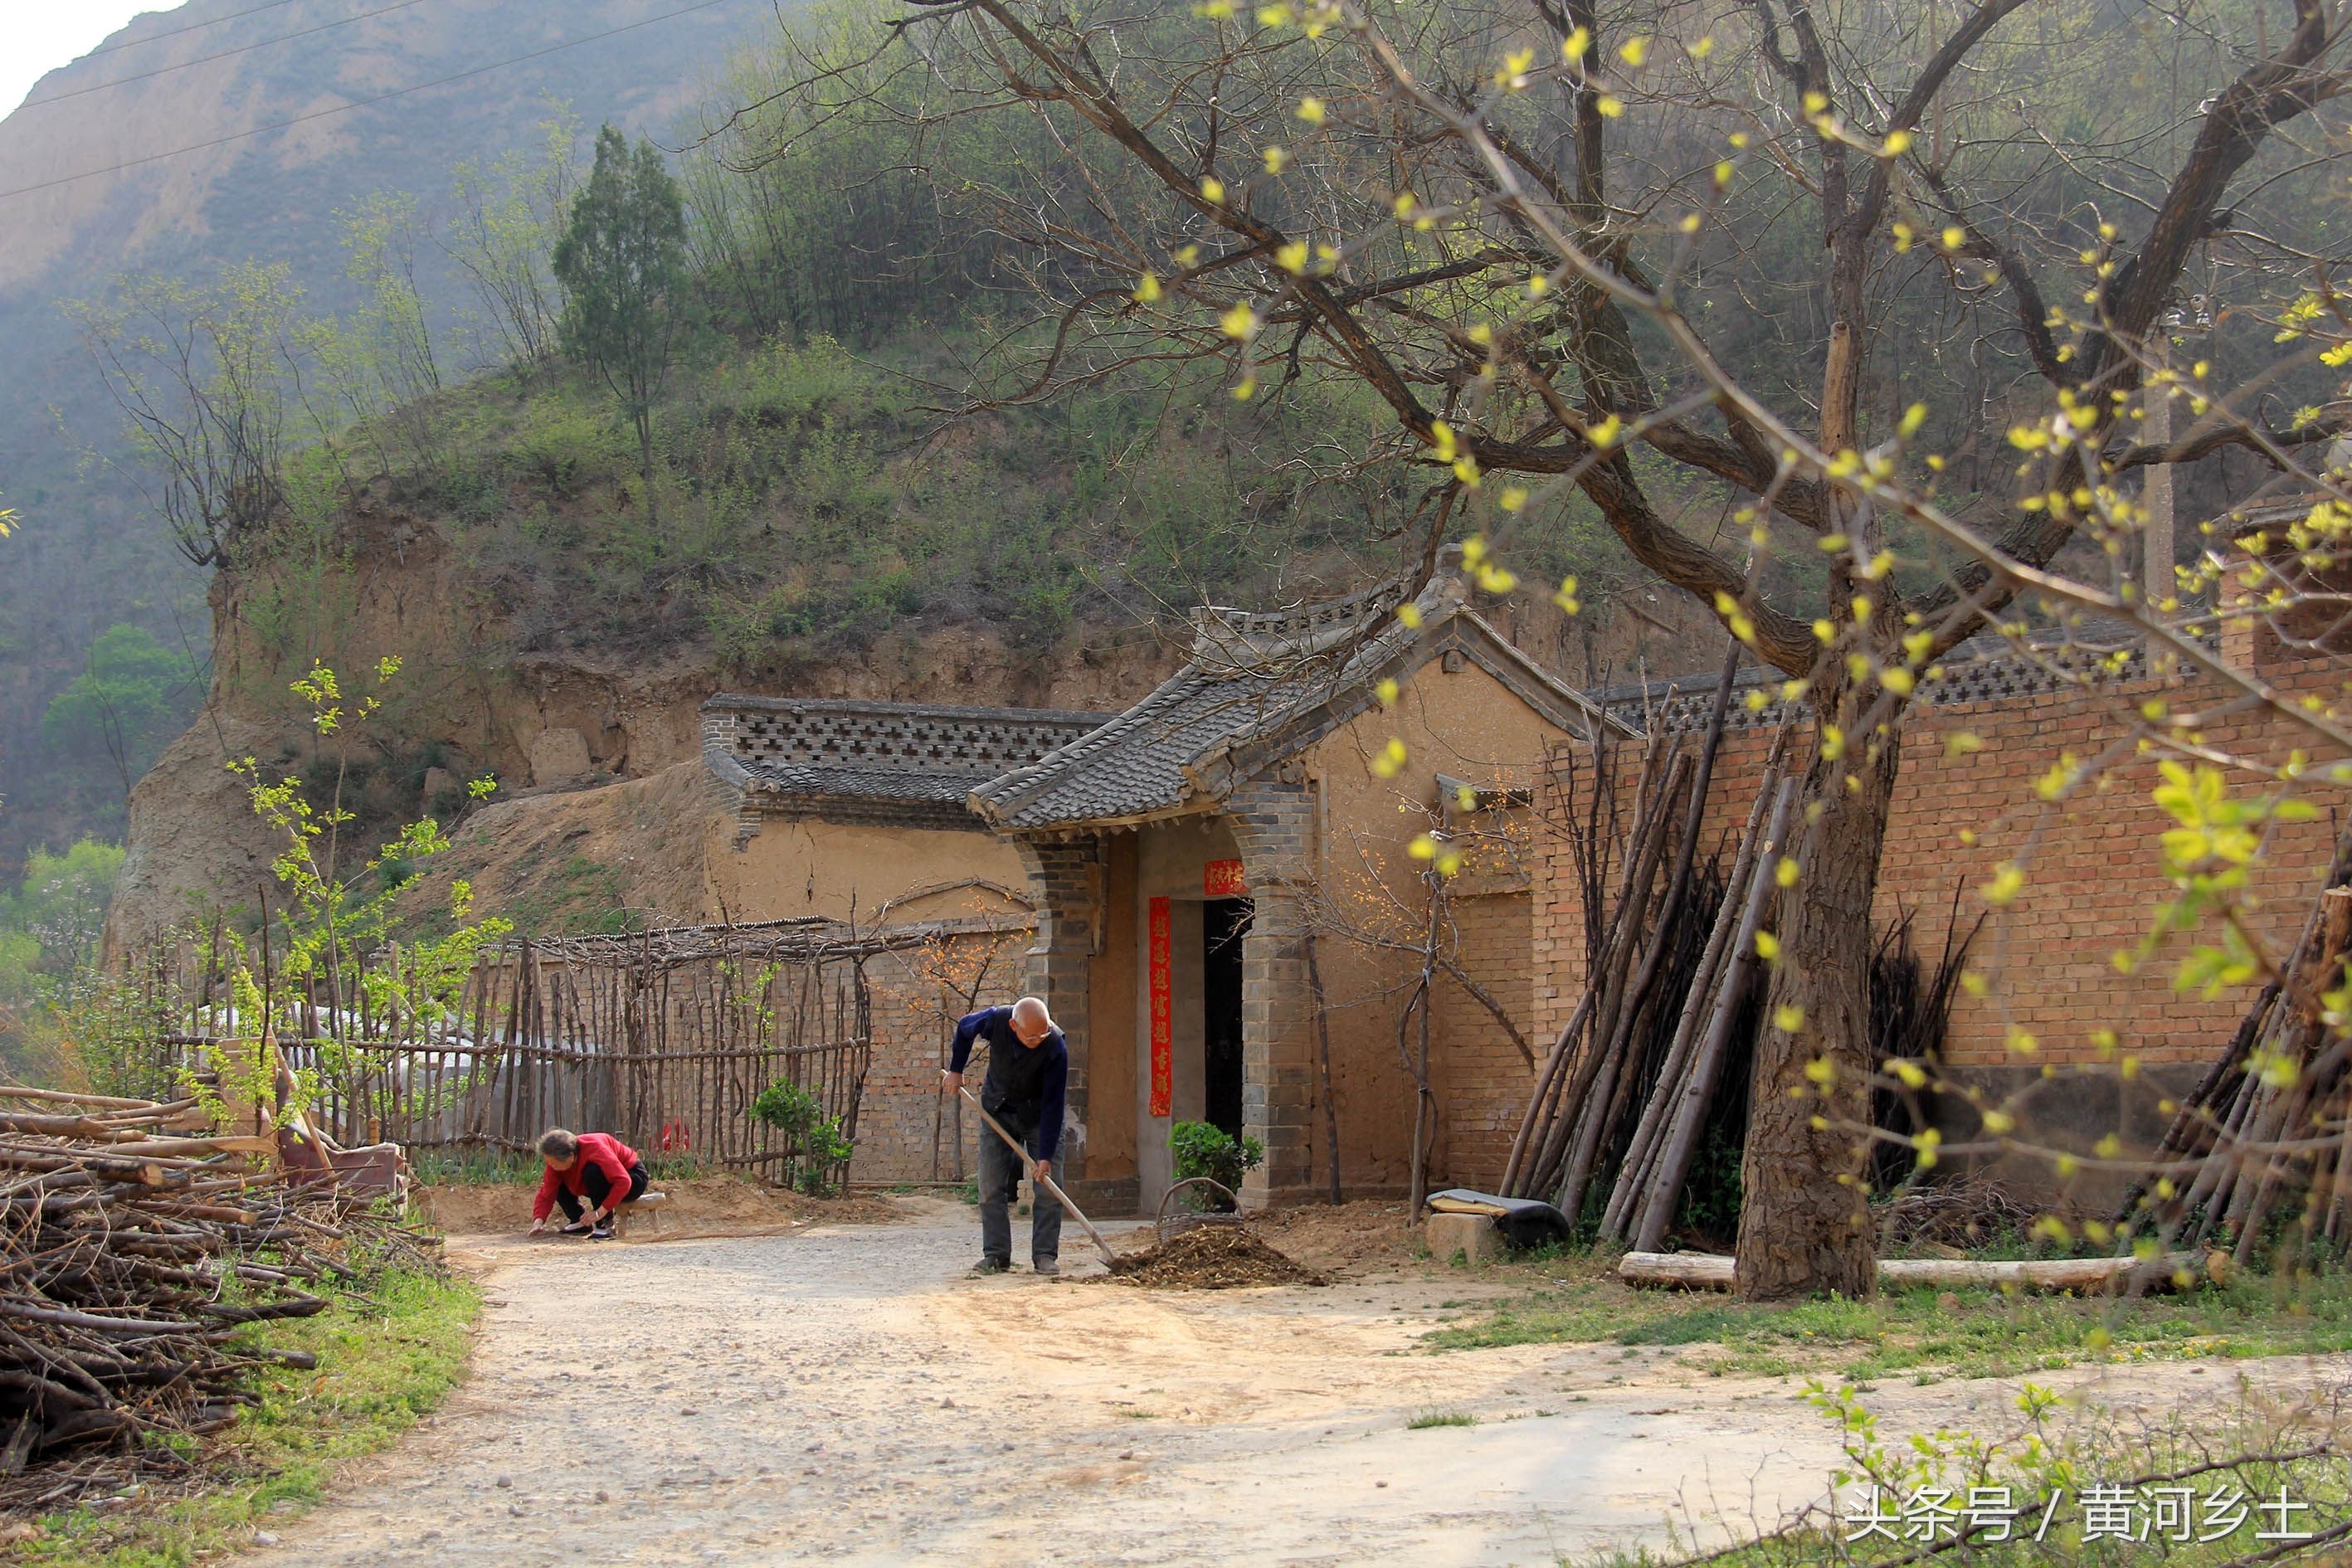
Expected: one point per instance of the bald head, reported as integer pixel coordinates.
(1030, 1021)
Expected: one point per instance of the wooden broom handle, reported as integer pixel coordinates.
(1031, 1165)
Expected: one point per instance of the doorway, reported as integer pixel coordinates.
(1224, 922)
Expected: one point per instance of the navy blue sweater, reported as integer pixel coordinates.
(1024, 1086)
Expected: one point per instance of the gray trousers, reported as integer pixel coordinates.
(1000, 1184)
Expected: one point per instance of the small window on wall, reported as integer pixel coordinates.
(1492, 826)
(1463, 797)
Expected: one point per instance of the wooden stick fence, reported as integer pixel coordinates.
(664, 1038)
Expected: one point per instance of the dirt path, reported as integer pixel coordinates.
(841, 1395)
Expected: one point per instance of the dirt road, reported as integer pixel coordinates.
(842, 1396)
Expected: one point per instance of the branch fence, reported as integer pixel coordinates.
(663, 1037)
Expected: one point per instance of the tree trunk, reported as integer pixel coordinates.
(1804, 1227)
(646, 458)
(1323, 1061)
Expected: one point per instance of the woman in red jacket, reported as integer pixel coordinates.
(594, 1169)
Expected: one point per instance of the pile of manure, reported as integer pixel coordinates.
(1211, 1257)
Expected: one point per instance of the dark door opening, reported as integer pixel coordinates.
(1223, 921)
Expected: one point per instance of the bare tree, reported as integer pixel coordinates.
(204, 375)
(508, 219)
(1406, 922)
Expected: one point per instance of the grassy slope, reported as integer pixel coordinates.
(381, 1363)
(807, 503)
(807, 514)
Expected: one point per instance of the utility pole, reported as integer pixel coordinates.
(2156, 537)
(2159, 541)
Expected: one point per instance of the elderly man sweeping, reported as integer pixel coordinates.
(1027, 1083)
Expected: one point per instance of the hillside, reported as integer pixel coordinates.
(827, 510)
(88, 555)
(807, 538)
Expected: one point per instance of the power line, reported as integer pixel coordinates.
(356, 103)
(190, 27)
(224, 54)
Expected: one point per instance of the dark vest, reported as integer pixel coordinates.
(1015, 1090)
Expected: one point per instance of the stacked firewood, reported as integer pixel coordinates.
(2270, 1125)
(134, 1249)
(1629, 1084)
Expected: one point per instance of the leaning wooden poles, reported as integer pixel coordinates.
(1623, 1096)
(1679, 1108)
(2271, 1122)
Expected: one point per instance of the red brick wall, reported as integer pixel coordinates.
(915, 999)
(1494, 932)
(2094, 881)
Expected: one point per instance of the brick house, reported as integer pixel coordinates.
(1181, 852)
(1977, 743)
(1163, 876)
(1163, 868)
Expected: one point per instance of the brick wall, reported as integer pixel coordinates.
(915, 999)
(2094, 882)
(1494, 932)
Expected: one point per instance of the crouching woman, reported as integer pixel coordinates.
(590, 1174)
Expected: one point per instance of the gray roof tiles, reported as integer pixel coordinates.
(1134, 765)
(1257, 684)
(876, 753)
(803, 780)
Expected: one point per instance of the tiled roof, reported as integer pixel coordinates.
(1256, 681)
(1134, 765)
(808, 751)
(801, 780)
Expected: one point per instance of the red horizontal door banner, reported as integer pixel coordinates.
(1223, 879)
(1163, 1013)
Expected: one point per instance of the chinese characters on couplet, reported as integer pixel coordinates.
(2105, 1511)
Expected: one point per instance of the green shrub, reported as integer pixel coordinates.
(565, 446)
(832, 617)
(783, 382)
(813, 1142)
(1201, 1150)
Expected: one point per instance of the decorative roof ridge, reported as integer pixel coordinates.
(1983, 670)
(1236, 640)
(1241, 640)
(1350, 690)
(724, 701)
(2096, 634)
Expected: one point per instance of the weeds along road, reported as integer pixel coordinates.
(843, 1395)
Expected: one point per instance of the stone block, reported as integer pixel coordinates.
(559, 755)
(1473, 1236)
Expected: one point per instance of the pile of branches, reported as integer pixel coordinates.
(1656, 1059)
(135, 1251)
(1962, 1214)
(2269, 1127)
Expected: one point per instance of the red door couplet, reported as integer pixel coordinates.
(1163, 1012)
